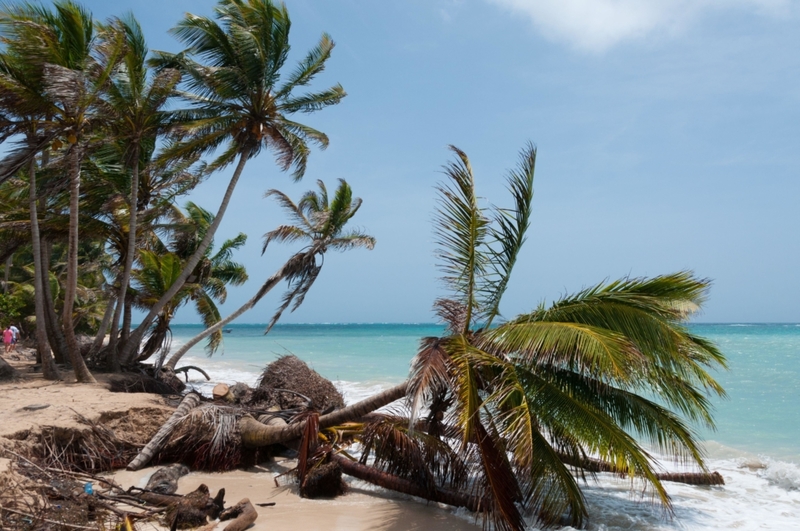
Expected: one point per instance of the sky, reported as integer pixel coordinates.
(668, 136)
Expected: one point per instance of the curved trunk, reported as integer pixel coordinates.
(49, 370)
(189, 402)
(256, 434)
(129, 350)
(82, 373)
(265, 288)
(113, 357)
(54, 334)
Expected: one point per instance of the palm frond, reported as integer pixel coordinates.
(461, 231)
(508, 233)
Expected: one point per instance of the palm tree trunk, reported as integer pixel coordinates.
(690, 478)
(270, 283)
(54, 334)
(6, 273)
(128, 352)
(113, 356)
(189, 402)
(49, 370)
(97, 344)
(391, 482)
(255, 434)
(82, 373)
(125, 333)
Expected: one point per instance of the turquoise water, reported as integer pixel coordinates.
(761, 414)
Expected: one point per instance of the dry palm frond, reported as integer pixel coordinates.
(207, 439)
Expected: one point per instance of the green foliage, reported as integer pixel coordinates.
(611, 372)
(11, 306)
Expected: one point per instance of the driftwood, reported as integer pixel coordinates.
(195, 508)
(189, 402)
(690, 478)
(243, 514)
(165, 480)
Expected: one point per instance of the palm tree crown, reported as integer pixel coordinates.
(598, 374)
(240, 102)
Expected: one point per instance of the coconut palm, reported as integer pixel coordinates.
(561, 383)
(518, 413)
(138, 102)
(320, 223)
(162, 264)
(21, 90)
(240, 102)
(74, 62)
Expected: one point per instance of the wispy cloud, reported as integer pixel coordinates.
(597, 25)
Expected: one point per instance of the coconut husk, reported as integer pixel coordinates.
(290, 383)
(323, 481)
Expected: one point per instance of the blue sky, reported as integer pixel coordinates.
(668, 135)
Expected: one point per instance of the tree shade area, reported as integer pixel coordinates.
(505, 416)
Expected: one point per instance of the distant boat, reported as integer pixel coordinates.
(227, 330)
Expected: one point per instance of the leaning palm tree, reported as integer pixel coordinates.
(208, 283)
(518, 413)
(239, 102)
(138, 102)
(320, 223)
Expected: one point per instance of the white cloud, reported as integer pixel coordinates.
(597, 25)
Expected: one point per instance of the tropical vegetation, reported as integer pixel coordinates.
(103, 137)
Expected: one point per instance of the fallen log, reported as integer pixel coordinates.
(243, 514)
(255, 434)
(690, 478)
(189, 402)
(391, 482)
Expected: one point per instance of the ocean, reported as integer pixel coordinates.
(756, 446)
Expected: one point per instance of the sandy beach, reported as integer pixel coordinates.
(363, 507)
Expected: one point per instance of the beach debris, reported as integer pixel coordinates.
(243, 515)
(222, 392)
(34, 407)
(195, 508)
(295, 384)
(165, 480)
(323, 481)
(189, 402)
